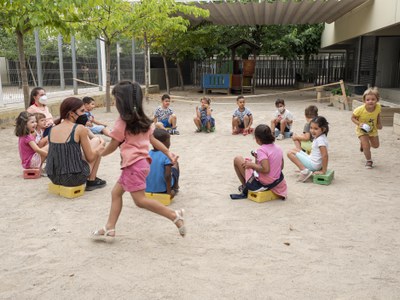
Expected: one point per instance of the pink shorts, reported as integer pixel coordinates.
(133, 177)
(36, 161)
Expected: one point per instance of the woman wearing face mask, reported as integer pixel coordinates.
(65, 163)
(38, 101)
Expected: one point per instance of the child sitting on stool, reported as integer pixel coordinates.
(304, 141)
(95, 126)
(203, 118)
(283, 119)
(163, 176)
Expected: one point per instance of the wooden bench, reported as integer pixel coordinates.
(216, 82)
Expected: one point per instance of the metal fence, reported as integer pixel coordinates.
(56, 70)
(272, 71)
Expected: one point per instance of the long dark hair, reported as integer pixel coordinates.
(70, 104)
(264, 134)
(128, 100)
(20, 123)
(34, 93)
(322, 123)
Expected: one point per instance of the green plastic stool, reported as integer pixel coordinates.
(324, 179)
(204, 129)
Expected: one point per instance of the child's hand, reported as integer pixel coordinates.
(248, 164)
(319, 173)
(173, 157)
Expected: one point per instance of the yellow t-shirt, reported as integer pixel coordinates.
(370, 118)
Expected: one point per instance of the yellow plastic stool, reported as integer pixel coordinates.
(67, 191)
(162, 198)
(262, 196)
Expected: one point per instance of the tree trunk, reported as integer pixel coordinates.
(146, 67)
(180, 76)
(24, 74)
(108, 77)
(166, 73)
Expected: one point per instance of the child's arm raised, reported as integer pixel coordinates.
(324, 156)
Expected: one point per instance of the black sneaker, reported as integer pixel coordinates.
(95, 184)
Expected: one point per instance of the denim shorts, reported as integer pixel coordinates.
(97, 129)
(166, 123)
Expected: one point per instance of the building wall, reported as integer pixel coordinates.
(370, 16)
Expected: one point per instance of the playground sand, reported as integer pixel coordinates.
(339, 241)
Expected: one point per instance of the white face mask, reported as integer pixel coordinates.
(43, 100)
(281, 109)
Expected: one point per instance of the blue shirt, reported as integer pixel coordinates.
(155, 181)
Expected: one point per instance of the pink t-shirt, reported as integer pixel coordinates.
(25, 150)
(133, 147)
(274, 154)
(44, 110)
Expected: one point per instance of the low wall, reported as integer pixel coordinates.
(9, 114)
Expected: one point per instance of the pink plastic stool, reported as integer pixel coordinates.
(31, 173)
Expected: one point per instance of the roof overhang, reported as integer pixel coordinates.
(279, 12)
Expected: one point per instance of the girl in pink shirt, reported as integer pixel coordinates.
(133, 133)
(267, 170)
(32, 156)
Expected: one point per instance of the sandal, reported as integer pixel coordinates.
(103, 234)
(179, 217)
(245, 132)
(368, 164)
(198, 130)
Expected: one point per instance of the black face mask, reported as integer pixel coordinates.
(82, 119)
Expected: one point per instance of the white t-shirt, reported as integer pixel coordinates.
(315, 155)
(286, 115)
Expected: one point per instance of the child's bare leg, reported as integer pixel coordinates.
(197, 122)
(273, 124)
(94, 166)
(116, 207)
(106, 132)
(365, 145)
(235, 125)
(246, 122)
(283, 126)
(292, 156)
(240, 171)
(172, 120)
(154, 206)
(374, 140)
(160, 125)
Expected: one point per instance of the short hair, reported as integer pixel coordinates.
(39, 116)
(161, 135)
(371, 91)
(87, 100)
(239, 97)
(311, 111)
(264, 134)
(165, 96)
(208, 100)
(279, 101)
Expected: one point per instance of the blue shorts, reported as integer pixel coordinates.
(97, 129)
(306, 161)
(206, 120)
(166, 123)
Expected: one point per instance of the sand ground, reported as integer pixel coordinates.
(339, 241)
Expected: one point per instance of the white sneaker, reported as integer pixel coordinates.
(280, 137)
(304, 175)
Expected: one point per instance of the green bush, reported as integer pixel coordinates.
(338, 91)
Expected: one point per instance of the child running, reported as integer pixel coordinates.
(133, 133)
(267, 170)
(32, 156)
(304, 141)
(203, 118)
(317, 161)
(368, 120)
(164, 175)
(283, 119)
(164, 116)
(242, 118)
